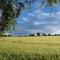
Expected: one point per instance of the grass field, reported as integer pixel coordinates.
(30, 48)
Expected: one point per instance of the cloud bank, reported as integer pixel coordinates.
(35, 19)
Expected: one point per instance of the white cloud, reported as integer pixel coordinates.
(37, 20)
(47, 22)
(56, 30)
(45, 14)
(39, 14)
(58, 13)
(38, 23)
(25, 19)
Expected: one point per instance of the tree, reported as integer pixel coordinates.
(50, 2)
(44, 34)
(49, 34)
(38, 34)
(31, 35)
(11, 9)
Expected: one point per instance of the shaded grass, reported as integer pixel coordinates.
(45, 55)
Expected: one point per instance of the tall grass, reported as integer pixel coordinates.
(17, 49)
(44, 55)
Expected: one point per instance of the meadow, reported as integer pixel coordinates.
(30, 48)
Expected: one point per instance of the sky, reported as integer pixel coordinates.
(36, 19)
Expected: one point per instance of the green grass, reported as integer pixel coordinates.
(30, 48)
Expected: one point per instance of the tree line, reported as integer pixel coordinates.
(26, 35)
(43, 34)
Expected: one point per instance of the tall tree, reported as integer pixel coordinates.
(9, 11)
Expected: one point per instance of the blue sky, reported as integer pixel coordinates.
(36, 19)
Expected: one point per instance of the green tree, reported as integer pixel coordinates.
(50, 2)
(38, 34)
(9, 11)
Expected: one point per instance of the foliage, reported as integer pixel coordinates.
(38, 34)
(51, 2)
(9, 11)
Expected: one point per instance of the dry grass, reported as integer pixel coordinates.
(30, 48)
